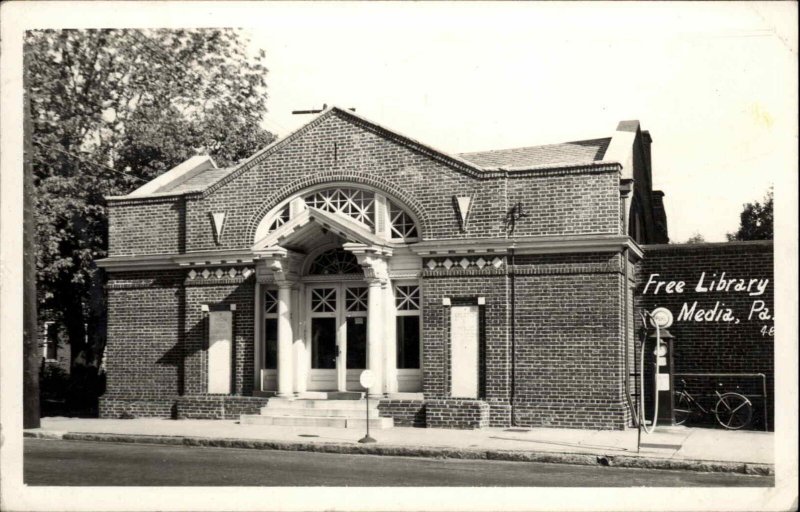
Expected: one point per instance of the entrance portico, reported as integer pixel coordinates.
(334, 308)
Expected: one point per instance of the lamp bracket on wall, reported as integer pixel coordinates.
(515, 213)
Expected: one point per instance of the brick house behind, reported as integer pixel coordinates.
(489, 288)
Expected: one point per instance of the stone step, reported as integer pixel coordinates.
(331, 395)
(315, 421)
(345, 395)
(301, 403)
(328, 413)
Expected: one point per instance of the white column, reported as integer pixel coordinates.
(390, 337)
(285, 340)
(258, 357)
(300, 357)
(374, 339)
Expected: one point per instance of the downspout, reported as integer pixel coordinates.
(624, 188)
(626, 376)
(510, 265)
(512, 285)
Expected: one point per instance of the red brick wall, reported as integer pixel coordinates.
(157, 335)
(211, 291)
(457, 413)
(143, 352)
(569, 359)
(569, 342)
(567, 203)
(490, 284)
(715, 346)
(576, 201)
(406, 413)
(152, 226)
(219, 407)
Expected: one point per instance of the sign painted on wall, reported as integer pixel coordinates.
(717, 287)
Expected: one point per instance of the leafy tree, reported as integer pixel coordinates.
(696, 238)
(755, 220)
(112, 109)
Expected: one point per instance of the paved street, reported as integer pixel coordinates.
(58, 462)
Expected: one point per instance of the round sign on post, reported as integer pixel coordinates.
(367, 380)
(662, 317)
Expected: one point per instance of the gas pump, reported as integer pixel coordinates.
(661, 355)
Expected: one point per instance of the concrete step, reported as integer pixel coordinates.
(315, 421)
(331, 395)
(301, 403)
(328, 413)
(345, 395)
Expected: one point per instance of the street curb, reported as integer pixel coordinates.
(620, 461)
(44, 434)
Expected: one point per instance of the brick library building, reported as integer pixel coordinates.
(480, 289)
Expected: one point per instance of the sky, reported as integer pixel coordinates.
(715, 84)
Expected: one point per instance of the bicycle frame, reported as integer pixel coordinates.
(693, 407)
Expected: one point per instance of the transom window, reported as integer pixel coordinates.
(271, 301)
(270, 329)
(335, 261)
(323, 300)
(360, 205)
(355, 299)
(407, 300)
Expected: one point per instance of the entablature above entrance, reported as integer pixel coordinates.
(528, 245)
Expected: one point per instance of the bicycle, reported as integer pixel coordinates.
(732, 410)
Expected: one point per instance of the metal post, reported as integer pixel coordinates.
(367, 438)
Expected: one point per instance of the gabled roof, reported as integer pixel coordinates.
(200, 174)
(190, 169)
(578, 152)
(198, 183)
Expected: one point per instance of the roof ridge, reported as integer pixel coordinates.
(596, 139)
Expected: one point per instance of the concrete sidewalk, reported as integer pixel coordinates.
(668, 448)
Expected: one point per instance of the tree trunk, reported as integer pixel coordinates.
(76, 332)
(32, 358)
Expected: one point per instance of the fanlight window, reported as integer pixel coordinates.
(363, 206)
(335, 261)
(281, 219)
(401, 223)
(355, 203)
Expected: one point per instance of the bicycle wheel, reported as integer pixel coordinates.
(733, 411)
(682, 408)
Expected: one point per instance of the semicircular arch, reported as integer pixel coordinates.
(401, 197)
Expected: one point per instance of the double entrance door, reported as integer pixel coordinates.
(337, 334)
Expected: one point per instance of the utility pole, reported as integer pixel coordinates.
(30, 349)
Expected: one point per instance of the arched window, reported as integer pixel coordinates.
(401, 225)
(364, 206)
(335, 261)
(353, 202)
(280, 219)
